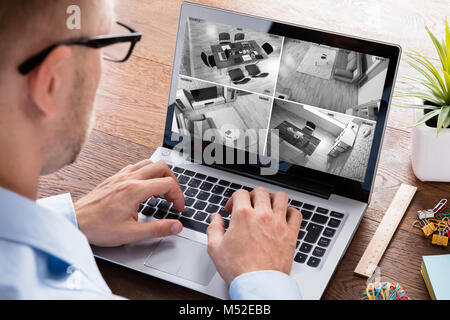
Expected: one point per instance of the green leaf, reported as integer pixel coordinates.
(434, 88)
(427, 117)
(443, 116)
(439, 49)
(447, 123)
(447, 81)
(427, 64)
(422, 95)
(424, 73)
(414, 106)
(447, 41)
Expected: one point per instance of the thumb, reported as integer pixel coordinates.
(156, 229)
(215, 232)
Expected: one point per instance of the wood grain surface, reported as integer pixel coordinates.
(131, 108)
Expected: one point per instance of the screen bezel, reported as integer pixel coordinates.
(291, 176)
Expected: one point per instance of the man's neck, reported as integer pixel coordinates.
(20, 165)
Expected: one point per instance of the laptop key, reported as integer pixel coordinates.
(314, 231)
(337, 214)
(188, 201)
(203, 195)
(215, 199)
(152, 202)
(334, 223)
(300, 257)
(200, 216)
(141, 206)
(224, 183)
(295, 203)
(183, 188)
(194, 183)
(313, 262)
(164, 205)
(193, 224)
(173, 216)
(211, 179)
(218, 190)
(306, 214)
(305, 247)
(301, 234)
(200, 176)
(188, 212)
(319, 218)
(160, 214)
(308, 206)
(226, 223)
(318, 252)
(212, 208)
(191, 192)
(235, 186)
(324, 242)
(189, 173)
(200, 205)
(249, 189)
(183, 179)
(322, 210)
(206, 186)
(223, 213)
(178, 170)
(148, 211)
(304, 224)
(224, 202)
(329, 232)
(229, 192)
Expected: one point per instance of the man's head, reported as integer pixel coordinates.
(50, 109)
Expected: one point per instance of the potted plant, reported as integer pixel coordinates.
(431, 133)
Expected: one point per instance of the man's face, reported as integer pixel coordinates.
(76, 101)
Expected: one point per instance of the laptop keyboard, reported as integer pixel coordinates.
(205, 195)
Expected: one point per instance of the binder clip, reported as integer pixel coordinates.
(427, 228)
(440, 239)
(425, 214)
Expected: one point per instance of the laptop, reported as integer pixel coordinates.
(320, 144)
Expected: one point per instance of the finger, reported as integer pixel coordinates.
(154, 170)
(279, 203)
(260, 197)
(136, 166)
(240, 200)
(161, 186)
(215, 232)
(155, 229)
(294, 219)
(140, 164)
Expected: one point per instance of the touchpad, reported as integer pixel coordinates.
(183, 258)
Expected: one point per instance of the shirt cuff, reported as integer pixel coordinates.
(61, 204)
(264, 285)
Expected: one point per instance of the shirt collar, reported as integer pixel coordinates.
(24, 221)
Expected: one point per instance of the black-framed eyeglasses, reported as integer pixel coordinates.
(118, 47)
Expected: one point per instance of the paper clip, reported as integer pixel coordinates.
(440, 206)
(440, 239)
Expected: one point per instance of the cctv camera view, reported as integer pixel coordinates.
(321, 102)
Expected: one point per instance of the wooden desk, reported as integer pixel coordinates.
(131, 109)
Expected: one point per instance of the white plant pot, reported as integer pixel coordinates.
(430, 154)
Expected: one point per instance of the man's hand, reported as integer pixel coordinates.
(108, 215)
(262, 234)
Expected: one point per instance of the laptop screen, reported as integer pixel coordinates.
(302, 100)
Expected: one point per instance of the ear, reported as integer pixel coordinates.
(44, 81)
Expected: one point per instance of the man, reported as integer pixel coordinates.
(46, 112)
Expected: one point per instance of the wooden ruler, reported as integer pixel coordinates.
(385, 231)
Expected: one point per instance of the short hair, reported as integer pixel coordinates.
(28, 26)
